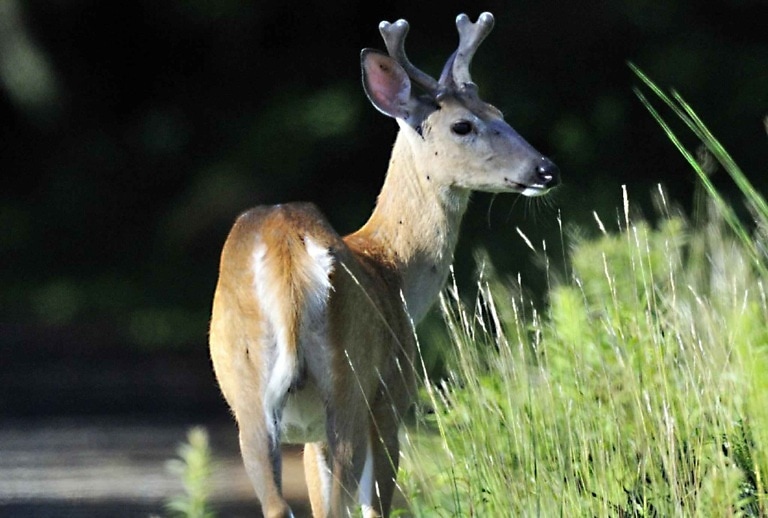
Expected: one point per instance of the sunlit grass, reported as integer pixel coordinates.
(637, 393)
(642, 389)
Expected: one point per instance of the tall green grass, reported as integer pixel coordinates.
(642, 389)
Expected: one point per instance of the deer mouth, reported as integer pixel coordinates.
(525, 189)
(534, 190)
(531, 190)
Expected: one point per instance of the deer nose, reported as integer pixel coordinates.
(548, 173)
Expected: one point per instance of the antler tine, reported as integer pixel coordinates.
(394, 38)
(471, 35)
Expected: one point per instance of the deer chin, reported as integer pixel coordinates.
(534, 191)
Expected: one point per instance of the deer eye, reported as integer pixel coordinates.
(462, 127)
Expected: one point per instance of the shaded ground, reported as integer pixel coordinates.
(117, 468)
(86, 429)
(87, 426)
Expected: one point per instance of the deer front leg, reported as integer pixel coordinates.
(347, 431)
(377, 490)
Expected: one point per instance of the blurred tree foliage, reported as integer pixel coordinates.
(133, 133)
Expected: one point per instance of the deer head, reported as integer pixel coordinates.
(464, 139)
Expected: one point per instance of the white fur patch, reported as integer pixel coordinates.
(314, 318)
(304, 413)
(282, 372)
(320, 269)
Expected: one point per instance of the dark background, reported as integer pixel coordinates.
(133, 133)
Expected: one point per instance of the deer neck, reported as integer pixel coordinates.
(415, 225)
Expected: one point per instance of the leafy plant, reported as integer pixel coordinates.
(194, 468)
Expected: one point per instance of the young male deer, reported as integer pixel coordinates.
(311, 333)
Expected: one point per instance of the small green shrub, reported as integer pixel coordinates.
(194, 468)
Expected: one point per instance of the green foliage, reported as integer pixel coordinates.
(642, 391)
(634, 396)
(712, 148)
(194, 469)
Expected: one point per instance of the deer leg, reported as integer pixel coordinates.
(318, 476)
(377, 490)
(260, 449)
(347, 441)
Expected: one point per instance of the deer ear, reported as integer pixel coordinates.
(386, 84)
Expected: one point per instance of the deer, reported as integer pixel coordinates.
(311, 333)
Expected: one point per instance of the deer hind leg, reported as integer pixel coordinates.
(258, 409)
(318, 475)
(260, 449)
(244, 390)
